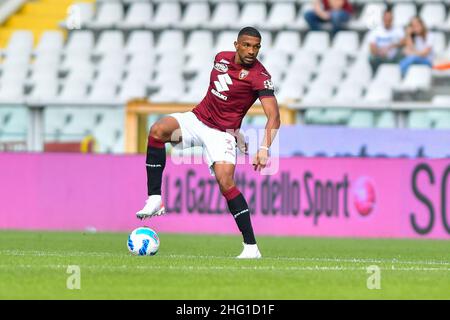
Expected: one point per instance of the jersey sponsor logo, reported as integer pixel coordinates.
(220, 67)
(219, 95)
(268, 84)
(224, 81)
(224, 61)
(244, 73)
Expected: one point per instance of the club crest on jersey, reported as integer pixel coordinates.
(224, 61)
(220, 67)
(268, 84)
(244, 73)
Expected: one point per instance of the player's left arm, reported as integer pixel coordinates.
(270, 107)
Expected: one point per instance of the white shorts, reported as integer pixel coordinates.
(218, 146)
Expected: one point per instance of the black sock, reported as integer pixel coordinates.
(155, 163)
(239, 209)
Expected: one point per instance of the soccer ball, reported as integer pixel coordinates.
(143, 242)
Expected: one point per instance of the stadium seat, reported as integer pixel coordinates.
(103, 91)
(199, 62)
(167, 15)
(346, 42)
(21, 42)
(44, 90)
(170, 41)
(252, 14)
(139, 15)
(80, 41)
(139, 42)
(360, 72)
(282, 15)
(50, 42)
(300, 22)
(369, 18)
(348, 92)
(316, 42)
(418, 77)
(386, 120)
(225, 41)
(199, 41)
(302, 62)
(403, 12)
(419, 120)
(224, 15)
(388, 74)
(12, 91)
(361, 119)
(133, 88)
(79, 15)
(74, 91)
(319, 92)
(333, 61)
(433, 14)
(109, 41)
(286, 41)
(196, 15)
(109, 14)
(378, 93)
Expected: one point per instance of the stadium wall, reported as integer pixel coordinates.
(332, 197)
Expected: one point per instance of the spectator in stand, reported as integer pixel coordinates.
(418, 45)
(385, 42)
(338, 12)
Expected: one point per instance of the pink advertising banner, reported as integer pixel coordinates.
(333, 197)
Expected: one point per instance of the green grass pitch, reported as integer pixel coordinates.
(34, 265)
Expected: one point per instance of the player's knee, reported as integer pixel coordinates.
(225, 184)
(157, 131)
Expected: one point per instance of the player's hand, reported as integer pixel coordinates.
(260, 159)
(241, 143)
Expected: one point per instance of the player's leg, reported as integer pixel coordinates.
(224, 173)
(162, 131)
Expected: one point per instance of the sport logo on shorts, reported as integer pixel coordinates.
(220, 67)
(268, 84)
(243, 74)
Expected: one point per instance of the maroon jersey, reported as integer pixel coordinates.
(233, 88)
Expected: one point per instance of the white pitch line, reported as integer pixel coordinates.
(221, 268)
(176, 256)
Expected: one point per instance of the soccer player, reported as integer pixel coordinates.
(237, 80)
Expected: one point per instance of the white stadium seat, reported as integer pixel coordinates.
(346, 42)
(282, 15)
(50, 42)
(139, 15)
(108, 16)
(80, 41)
(170, 41)
(433, 14)
(109, 41)
(417, 77)
(196, 15)
(139, 42)
(199, 41)
(403, 12)
(287, 41)
(317, 42)
(167, 15)
(224, 15)
(378, 93)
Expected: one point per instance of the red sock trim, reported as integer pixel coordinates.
(231, 193)
(156, 143)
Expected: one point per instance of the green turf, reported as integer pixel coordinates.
(34, 265)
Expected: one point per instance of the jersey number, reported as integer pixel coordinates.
(224, 81)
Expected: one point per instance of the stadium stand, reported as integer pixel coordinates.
(108, 52)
